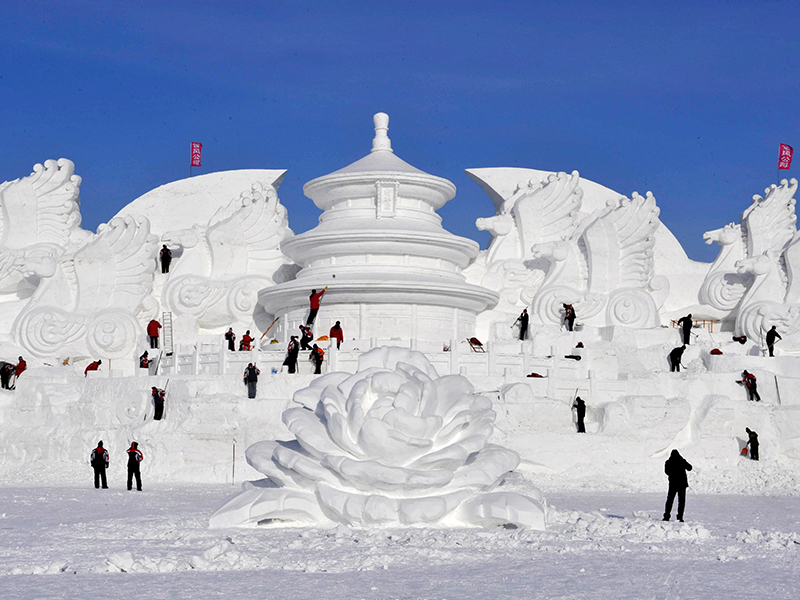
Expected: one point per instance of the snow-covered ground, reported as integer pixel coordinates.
(75, 542)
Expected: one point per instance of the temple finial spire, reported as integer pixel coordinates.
(381, 140)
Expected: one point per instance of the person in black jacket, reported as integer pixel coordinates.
(569, 316)
(158, 403)
(292, 352)
(231, 337)
(306, 337)
(686, 324)
(675, 468)
(580, 407)
(752, 442)
(675, 358)
(135, 457)
(523, 324)
(772, 335)
(251, 374)
(166, 258)
(99, 461)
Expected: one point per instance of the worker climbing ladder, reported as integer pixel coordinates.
(166, 323)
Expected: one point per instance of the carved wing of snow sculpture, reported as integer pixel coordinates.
(242, 243)
(769, 222)
(607, 263)
(547, 211)
(90, 303)
(43, 207)
(392, 444)
(245, 236)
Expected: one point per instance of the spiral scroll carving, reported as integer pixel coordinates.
(45, 331)
(112, 333)
(631, 307)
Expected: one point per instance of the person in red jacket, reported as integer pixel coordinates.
(135, 457)
(152, 330)
(749, 381)
(21, 366)
(337, 334)
(316, 357)
(247, 341)
(314, 299)
(92, 367)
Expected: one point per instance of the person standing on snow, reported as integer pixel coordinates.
(99, 462)
(231, 337)
(569, 316)
(22, 366)
(158, 403)
(686, 324)
(144, 362)
(772, 335)
(152, 330)
(523, 319)
(749, 381)
(292, 351)
(166, 257)
(92, 367)
(752, 442)
(580, 407)
(316, 357)
(675, 468)
(675, 358)
(314, 299)
(135, 457)
(251, 374)
(337, 334)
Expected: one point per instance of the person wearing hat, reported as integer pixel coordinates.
(99, 462)
(135, 457)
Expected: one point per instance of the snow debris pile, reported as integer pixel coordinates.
(393, 443)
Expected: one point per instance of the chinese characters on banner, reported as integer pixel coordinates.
(197, 147)
(785, 157)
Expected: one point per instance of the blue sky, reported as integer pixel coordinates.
(687, 99)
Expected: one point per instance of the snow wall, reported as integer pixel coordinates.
(637, 412)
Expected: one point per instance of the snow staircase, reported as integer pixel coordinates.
(166, 324)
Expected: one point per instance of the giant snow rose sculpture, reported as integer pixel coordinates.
(392, 444)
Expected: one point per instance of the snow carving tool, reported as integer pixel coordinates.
(268, 328)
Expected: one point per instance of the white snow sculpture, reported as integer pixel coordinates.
(89, 304)
(225, 263)
(39, 216)
(391, 444)
(605, 269)
(723, 287)
(537, 212)
(754, 279)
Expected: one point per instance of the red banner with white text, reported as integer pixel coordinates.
(785, 157)
(197, 148)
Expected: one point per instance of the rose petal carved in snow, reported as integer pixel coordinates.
(393, 443)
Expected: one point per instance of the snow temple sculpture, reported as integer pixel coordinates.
(393, 443)
(381, 250)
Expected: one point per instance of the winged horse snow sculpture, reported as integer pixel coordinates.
(605, 269)
(773, 262)
(90, 302)
(537, 212)
(225, 263)
(39, 216)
